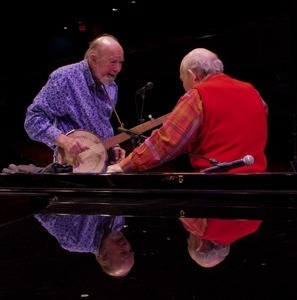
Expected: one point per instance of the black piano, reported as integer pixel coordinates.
(219, 195)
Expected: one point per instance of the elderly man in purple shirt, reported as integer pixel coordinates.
(81, 96)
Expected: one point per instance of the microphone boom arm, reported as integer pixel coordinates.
(132, 133)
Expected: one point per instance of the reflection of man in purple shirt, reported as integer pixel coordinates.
(100, 235)
(80, 233)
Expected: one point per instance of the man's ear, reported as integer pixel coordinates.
(93, 59)
(192, 74)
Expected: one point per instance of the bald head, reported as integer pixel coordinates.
(200, 52)
(102, 44)
(209, 253)
(202, 62)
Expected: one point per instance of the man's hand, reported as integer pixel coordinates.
(114, 169)
(72, 145)
(116, 154)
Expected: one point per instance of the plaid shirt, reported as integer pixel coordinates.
(170, 140)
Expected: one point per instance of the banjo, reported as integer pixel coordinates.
(94, 160)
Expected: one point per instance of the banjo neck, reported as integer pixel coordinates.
(119, 138)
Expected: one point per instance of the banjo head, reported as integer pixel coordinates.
(93, 160)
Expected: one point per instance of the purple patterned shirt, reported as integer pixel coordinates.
(75, 101)
(80, 233)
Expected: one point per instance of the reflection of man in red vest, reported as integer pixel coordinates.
(209, 240)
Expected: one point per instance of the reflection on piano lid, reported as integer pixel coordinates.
(220, 195)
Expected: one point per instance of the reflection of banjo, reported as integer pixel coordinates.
(94, 160)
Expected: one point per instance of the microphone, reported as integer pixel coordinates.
(221, 167)
(148, 86)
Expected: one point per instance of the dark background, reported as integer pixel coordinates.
(256, 43)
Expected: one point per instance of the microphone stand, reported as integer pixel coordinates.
(293, 162)
(136, 137)
(141, 120)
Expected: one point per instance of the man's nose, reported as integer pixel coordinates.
(118, 67)
(126, 245)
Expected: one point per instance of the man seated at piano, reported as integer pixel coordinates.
(218, 119)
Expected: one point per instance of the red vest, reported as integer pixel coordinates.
(234, 124)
